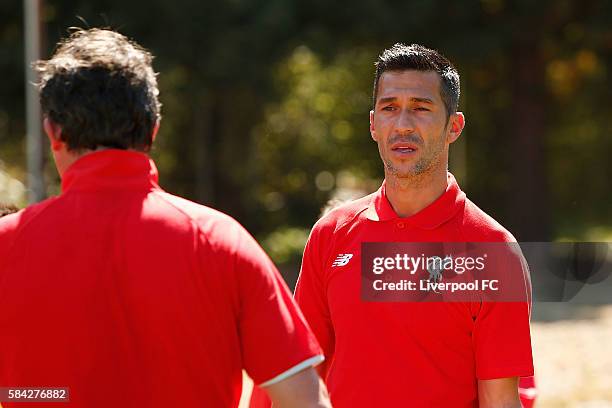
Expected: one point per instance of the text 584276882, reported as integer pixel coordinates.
(34, 394)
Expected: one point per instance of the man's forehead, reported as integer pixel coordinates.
(421, 84)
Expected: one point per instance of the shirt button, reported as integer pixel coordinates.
(401, 224)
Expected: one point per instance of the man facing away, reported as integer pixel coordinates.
(6, 209)
(427, 354)
(123, 293)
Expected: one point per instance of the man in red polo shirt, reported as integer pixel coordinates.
(122, 293)
(6, 209)
(411, 354)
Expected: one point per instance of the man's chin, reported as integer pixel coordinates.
(407, 172)
(403, 173)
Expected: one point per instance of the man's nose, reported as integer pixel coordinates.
(405, 121)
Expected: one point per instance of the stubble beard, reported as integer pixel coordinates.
(424, 165)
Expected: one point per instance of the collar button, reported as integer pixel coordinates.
(401, 224)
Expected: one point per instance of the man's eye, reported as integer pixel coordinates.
(388, 108)
(420, 108)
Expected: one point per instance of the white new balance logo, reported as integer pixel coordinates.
(342, 259)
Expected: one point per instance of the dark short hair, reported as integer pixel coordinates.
(100, 88)
(402, 57)
(6, 209)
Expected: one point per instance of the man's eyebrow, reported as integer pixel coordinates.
(422, 100)
(413, 99)
(387, 99)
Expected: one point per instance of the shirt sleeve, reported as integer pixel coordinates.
(501, 336)
(276, 341)
(8, 226)
(311, 296)
(502, 342)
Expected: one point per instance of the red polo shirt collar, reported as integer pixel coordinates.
(111, 169)
(430, 217)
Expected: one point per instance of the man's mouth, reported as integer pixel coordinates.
(404, 148)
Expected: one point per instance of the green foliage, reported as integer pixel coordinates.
(317, 131)
(286, 245)
(266, 103)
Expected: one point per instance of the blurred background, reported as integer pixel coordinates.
(265, 117)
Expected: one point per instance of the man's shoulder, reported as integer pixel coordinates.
(13, 224)
(477, 225)
(344, 215)
(10, 223)
(21, 218)
(214, 224)
(191, 209)
(202, 215)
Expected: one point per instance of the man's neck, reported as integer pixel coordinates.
(67, 158)
(408, 196)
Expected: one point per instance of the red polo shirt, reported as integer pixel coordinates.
(132, 297)
(406, 354)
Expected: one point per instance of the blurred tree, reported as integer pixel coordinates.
(12, 101)
(266, 102)
(316, 140)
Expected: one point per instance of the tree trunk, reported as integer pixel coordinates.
(529, 212)
(204, 129)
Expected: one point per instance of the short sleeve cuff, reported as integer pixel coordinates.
(506, 373)
(310, 362)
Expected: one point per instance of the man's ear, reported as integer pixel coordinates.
(456, 123)
(372, 131)
(155, 130)
(54, 133)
